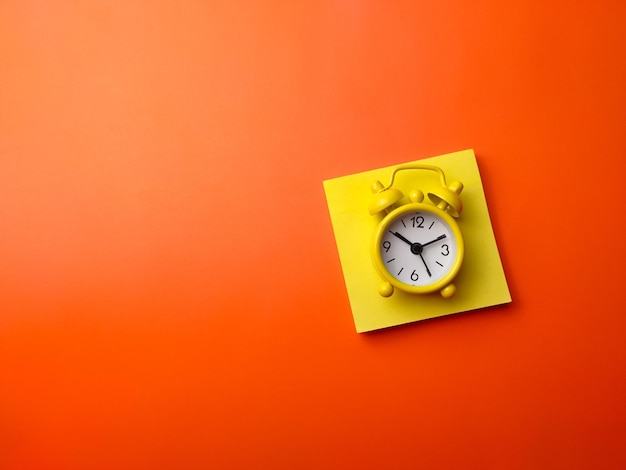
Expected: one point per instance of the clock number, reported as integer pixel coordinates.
(386, 245)
(418, 221)
(446, 250)
(414, 276)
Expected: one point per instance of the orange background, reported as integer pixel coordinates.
(170, 290)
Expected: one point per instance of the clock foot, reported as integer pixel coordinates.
(448, 291)
(385, 289)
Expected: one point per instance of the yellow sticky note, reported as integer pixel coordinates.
(481, 281)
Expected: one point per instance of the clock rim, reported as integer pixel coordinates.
(388, 220)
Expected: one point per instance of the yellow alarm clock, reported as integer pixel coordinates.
(417, 247)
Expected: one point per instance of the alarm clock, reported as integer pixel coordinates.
(418, 246)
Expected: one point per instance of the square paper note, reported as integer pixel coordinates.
(480, 282)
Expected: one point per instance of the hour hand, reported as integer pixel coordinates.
(401, 237)
(435, 240)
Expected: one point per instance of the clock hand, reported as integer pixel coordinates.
(426, 266)
(435, 240)
(416, 248)
(441, 237)
(401, 237)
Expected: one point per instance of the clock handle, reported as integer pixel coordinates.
(447, 197)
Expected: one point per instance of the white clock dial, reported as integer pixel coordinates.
(418, 248)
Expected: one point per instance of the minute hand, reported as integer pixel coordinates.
(401, 237)
(435, 240)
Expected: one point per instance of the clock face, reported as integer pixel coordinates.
(418, 248)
